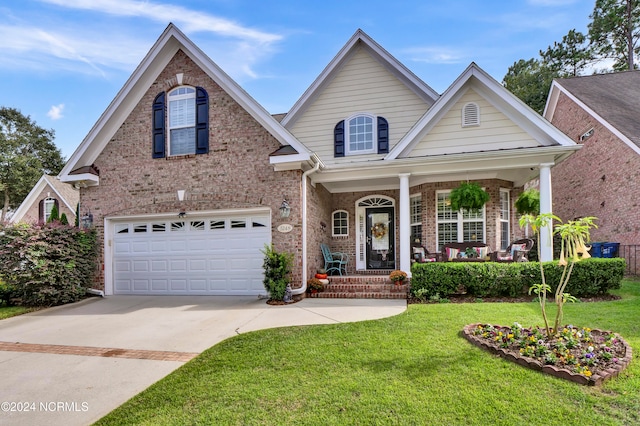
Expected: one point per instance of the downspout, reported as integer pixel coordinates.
(315, 168)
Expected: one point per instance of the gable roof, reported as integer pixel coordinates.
(167, 45)
(612, 99)
(503, 100)
(63, 192)
(359, 39)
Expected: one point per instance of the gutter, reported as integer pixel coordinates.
(315, 168)
(95, 292)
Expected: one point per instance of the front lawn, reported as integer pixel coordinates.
(414, 368)
(12, 311)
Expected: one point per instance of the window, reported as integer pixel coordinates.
(340, 224)
(461, 226)
(48, 208)
(182, 121)
(181, 126)
(470, 115)
(416, 218)
(504, 218)
(361, 134)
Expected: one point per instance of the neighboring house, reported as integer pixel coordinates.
(47, 193)
(186, 174)
(601, 113)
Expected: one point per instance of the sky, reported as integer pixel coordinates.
(63, 61)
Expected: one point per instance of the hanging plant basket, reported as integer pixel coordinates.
(468, 196)
(528, 202)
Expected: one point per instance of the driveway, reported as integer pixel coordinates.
(73, 364)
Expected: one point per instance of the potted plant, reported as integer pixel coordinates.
(528, 202)
(469, 196)
(314, 285)
(398, 277)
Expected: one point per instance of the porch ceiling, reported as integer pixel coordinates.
(517, 166)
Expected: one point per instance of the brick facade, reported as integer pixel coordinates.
(598, 180)
(32, 215)
(235, 174)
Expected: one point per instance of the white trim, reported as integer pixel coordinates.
(501, 98)
(167, 45)
(31, 198)
(374, 134)
(333, 234)
(359, 39)
(360, 229)
(552, 102)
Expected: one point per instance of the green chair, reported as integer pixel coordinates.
(334, 261)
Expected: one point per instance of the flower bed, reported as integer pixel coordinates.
(582, 355)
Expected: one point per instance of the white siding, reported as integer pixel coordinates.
(362, 85)
(496, 131)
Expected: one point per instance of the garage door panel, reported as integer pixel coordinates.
(217, 256)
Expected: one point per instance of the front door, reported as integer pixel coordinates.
(380, 238)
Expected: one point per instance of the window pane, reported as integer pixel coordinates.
(183, 141)
(182, 113)
(444, 207)
(504, 235)
(447, 233)
(361, 133)
(472, 231)
(416, 233)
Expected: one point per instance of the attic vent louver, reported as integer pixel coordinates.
(470, 115)
(586, 135)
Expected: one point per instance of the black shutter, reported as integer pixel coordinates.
(338, 140)
(159, 136)
(202, 121)
(41, 211)
(383, 136)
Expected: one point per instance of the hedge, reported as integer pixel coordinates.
(46, 265)
(590, 277)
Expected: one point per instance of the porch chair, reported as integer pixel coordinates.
(517, 251)
(334, 261)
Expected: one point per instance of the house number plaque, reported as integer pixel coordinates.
(285, 227)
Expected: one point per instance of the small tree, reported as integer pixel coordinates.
(54, 215)
(574, 235)
(277, 267)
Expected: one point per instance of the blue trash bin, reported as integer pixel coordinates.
(596, 249)
(610, 249)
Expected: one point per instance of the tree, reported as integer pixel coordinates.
(26, 152)
(614, 31)
(570, 57)
(530, 81)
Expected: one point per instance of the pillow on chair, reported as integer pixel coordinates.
(452, 253)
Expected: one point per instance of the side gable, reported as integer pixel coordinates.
(66, 195)
(170, 42)
(506, 123)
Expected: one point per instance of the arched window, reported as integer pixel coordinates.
(340, 223)
(361, 134)
(182, 125)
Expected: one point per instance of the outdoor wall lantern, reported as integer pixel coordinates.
(285, 209)
(87, 220)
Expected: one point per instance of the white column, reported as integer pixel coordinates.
(405, 225)
(546, 239)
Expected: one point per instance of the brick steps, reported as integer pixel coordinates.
(362, 287)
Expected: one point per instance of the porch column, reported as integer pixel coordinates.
(546, 239)
(405, 225)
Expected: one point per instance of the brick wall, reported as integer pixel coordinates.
(32, 215)
(599, 179)
(235, 174)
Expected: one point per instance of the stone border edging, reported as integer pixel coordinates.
(595, 380)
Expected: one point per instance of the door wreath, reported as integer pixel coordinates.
(379, 230)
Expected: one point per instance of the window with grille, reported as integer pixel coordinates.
(416, 218)
(340, 221)
(504, 219)
(457, 226)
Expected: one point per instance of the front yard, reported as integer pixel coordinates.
(411, 369)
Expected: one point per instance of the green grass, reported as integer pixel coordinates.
(12, 311)
(414, 368)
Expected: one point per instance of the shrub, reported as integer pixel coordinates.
(277, 267)
(590, 277)
(48, 264)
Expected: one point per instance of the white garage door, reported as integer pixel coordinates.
(191, 256)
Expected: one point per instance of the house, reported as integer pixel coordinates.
(188, 177)
(48, 192)
(599, 112)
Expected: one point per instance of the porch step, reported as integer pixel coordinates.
(363, 287)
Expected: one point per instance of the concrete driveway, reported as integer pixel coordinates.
(73, 364)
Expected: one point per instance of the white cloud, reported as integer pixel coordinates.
(435, 55)
(55, 112)
(188, 20)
